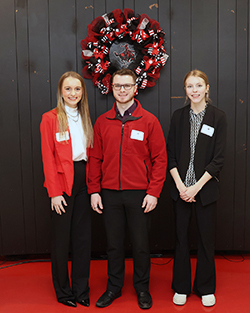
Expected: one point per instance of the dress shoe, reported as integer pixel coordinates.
(69, 303)
(144, 300)
(208, 300)
(179, 299)
(84, 302)
(107, 298)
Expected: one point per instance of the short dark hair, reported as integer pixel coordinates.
(123, 72)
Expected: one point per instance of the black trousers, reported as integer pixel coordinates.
(205, 280)
(121, 209)
(72, 229)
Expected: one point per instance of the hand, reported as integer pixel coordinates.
(189, 194)
(96, 202)
(149, 203)
(181, 188)
(57, 204)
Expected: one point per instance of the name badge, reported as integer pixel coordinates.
(207, 130)
(62, 136)
(137, 135)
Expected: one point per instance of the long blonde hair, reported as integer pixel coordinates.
(83, 108)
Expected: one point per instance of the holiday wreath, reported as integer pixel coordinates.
(123, 40)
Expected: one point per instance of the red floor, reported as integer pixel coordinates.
(27, 288)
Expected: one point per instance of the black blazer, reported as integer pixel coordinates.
(209, 150)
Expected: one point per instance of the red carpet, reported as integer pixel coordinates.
(28, 288)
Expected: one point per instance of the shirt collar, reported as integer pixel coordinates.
(201, 113)
(128, 112)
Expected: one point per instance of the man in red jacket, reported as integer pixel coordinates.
(127, 169)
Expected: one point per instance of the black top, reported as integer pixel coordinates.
(209, 150)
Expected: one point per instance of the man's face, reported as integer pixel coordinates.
(124, 89)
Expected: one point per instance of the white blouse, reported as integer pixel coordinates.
(78, 138)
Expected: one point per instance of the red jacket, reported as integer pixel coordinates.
(57, 157)
(128, 156)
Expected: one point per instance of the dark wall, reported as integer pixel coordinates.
(40, 40)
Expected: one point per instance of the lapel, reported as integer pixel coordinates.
(64, 148)
(186, 127)
(209, 116)
(207, 120)
(185, 139)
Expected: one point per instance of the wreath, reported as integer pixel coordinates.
(118, 40)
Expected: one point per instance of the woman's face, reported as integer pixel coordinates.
(71, 91)
(196, 89)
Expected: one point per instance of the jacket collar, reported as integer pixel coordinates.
(208, 108)
(138, 112)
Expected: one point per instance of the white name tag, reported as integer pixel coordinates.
(207, 130)
(137, 135)
(62, 136)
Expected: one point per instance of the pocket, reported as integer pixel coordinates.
(59, 169)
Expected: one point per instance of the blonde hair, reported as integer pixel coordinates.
(202, 75)
(83, 108)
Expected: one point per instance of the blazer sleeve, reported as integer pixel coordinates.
(158, 153)
(95, 162)
(52, 181)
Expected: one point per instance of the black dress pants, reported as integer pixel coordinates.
(72, 229)
(121, 209)
(205, 280)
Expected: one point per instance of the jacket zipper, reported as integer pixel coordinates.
(120, 161)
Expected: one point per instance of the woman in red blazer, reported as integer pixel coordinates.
(196, 151)
(66, 134)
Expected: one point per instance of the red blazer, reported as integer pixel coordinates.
(58, 165)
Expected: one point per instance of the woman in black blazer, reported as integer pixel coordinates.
(196, 150)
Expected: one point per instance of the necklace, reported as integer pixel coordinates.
(74, 118)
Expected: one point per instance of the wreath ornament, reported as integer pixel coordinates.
(118, 40)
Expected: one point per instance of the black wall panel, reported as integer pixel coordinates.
(240, 119)
(40, 40)
(226, 101)
(25, 124)
(12, 207)
(247, 144)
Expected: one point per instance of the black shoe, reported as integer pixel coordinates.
(144, 300)
(84, 302)
(69, 303)
(107, 298)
